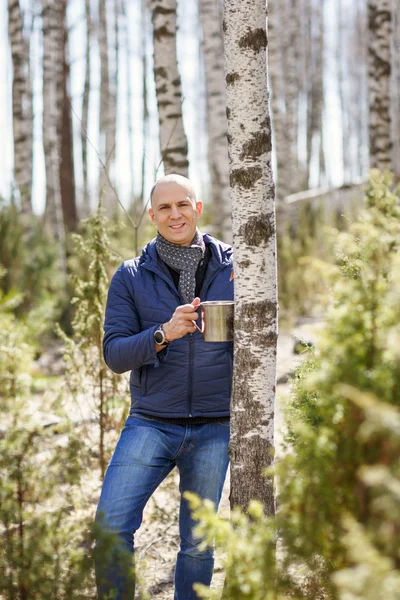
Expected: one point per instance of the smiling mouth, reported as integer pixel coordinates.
(177, 227)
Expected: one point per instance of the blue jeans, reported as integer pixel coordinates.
(145, 454)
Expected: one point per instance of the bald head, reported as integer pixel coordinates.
(174, 209)
(173, 179)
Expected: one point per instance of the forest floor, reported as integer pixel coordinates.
(157, 541)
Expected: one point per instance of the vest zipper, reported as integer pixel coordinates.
(190, 373)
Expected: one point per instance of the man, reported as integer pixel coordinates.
(180, 385)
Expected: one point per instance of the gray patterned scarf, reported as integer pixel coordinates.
(185, 260)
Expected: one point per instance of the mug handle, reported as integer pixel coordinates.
(198, 328)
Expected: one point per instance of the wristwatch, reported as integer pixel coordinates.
(159, 337)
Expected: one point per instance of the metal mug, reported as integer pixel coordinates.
(217, 320)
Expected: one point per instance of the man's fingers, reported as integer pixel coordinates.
(196, 302)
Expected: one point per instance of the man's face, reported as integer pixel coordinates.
(175, 213)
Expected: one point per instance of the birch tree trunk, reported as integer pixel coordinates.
(294, 179)
(128, 58)
(173, 142)
(85, 109)
(254, 240)
(276, 71)
(21, 106)
(316, 91)
(107, 114)
(145, 117)
(213, 51)
(396, 87)
(52, 29)
(379, 76)
(67, 171)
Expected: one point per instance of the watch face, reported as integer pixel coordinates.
(158, 337)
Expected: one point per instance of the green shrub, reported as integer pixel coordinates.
(339, 491)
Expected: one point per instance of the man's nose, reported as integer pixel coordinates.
(175, 212)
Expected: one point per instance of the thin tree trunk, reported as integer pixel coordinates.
(128, 50)
(396, 87)
(85, 109)
(67, 171)
(343, 87)
(21, 106)
(52, 23)
(317, 87)
(361, 89)
(173, 142)
(294, 179)
(107, 144)
(254, 240)
(145, 117)
(379, 75)
(213, 52)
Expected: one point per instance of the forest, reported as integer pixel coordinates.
(285, 117)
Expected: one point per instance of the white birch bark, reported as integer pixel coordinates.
(173, 142)
(276, 74)
(396, 87)
(213, 52)
(379, 77)
(291, 49)
(85, 109)
(316, 95)
(52, 33)
(254, 241)
(21, 106)
(128, 58)
(145, 117)
(108, 105)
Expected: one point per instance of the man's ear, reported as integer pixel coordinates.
(151, 213)
(199, 209)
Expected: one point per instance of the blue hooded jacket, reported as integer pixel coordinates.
(188, 378)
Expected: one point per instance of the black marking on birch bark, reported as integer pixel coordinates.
(245, 361)
(176, 150)
(176, 81)
(245, 178)
(266, 124)
(224, 26)
(162, 32)
(229, 138)
(244, 264)
(257, 315)
(228, 113)
(175, 116)
(160, 72)
(256, 454)
(162, 89)
(258, 229)
(164, 102)
(255, 40)
(259, 143)
(232, 77)
(160, 10)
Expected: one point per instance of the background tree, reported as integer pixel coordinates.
(173, 142)
(85, 110)
(380, 28)
(52, 32)
(252, 192)
(213, 51)
(67, 170)
(21, 105)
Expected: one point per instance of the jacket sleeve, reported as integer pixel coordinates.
(125, 346)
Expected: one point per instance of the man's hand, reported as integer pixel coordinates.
(181, 321)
